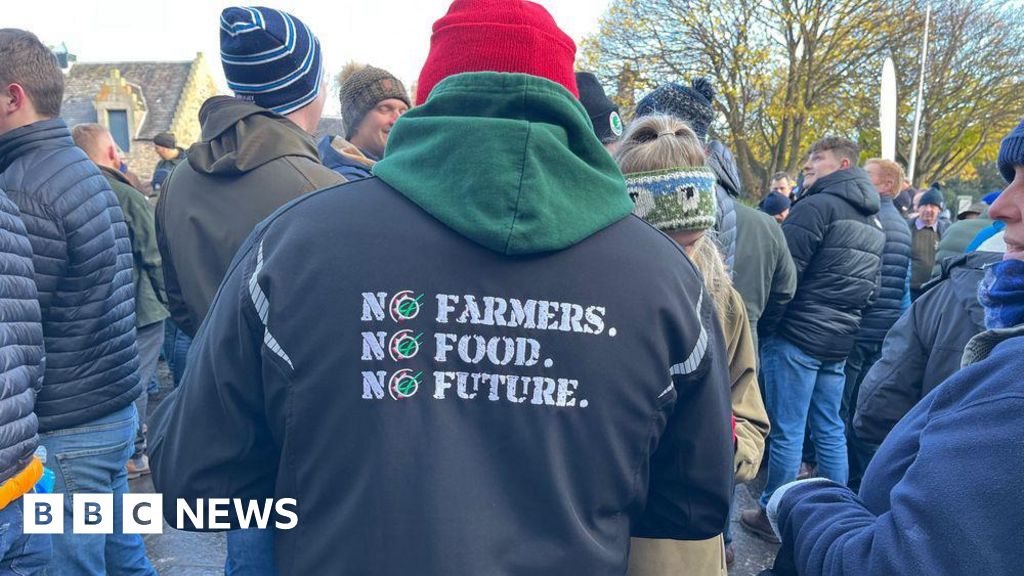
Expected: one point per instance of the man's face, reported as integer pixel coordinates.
(165, 153)
(782, 186)
(821, 164)
(781, 216)
(880, 182)
(372, 133)
(1009, 208)
(928, 213)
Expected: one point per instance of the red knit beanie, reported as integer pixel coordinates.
(498, 36)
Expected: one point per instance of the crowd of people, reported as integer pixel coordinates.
(502, 331)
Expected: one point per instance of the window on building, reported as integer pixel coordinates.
(117, 120)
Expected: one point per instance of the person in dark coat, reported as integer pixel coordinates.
(82, 258)
(294, 375)
(256, 153)
(927, 229)
(21, 371)
(694, 105)
(836, 242)
(878, 319)
(166, 147)
(924, 346)
(147, 272)
(941, 496)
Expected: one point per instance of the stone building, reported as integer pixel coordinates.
(137, 101)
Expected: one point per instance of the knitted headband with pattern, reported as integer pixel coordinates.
(674, 199)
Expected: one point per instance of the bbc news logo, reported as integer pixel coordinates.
(143, 513)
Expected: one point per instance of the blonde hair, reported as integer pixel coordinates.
(659, 142)
(707, 257)
(890, 171)
(87, 137)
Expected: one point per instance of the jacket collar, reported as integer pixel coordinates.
(115, 174)
(42, 134)
(981, 345)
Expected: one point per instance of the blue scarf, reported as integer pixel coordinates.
(1002, 294)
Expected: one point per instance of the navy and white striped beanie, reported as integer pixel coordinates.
(270, 58)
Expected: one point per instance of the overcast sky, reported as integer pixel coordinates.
(391, 34)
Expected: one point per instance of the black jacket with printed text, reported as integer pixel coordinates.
(450, 383)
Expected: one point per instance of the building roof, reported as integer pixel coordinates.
(329, 125)
(161, 82)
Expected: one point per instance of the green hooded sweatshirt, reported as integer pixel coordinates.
(509, 161)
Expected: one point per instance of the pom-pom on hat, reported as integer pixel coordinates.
(692, 104)
(362, 89)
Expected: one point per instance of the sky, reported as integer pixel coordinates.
(390, 34)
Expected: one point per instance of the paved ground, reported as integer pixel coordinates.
(175, 553)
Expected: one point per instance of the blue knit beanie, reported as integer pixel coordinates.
(689, 103)
(775, 203)
(933, 197)
(1011, 152)
(270, 58)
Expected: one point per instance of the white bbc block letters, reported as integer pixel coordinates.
(142, 514)
(92, 513)
(43, 513)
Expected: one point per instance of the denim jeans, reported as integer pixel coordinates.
(148, 339)
(802, 391)
(250, 553)
(176, 345)
(21, 554)
(90, 459)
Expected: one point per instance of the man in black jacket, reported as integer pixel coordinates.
(836, 242)
(414, 359)
(83, 271)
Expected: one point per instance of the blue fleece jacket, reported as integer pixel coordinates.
(943, 494)
(349, 168)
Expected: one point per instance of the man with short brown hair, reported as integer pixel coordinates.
(83, 272)
(836, 240)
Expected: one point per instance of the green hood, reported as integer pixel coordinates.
(509, 161)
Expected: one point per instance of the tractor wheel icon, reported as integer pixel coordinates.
(404, 345)
(404, 384)
(405, 305)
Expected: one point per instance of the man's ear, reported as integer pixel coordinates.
(845, 163)
(15, 99)
(112, 155)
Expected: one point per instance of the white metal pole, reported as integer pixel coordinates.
(920, 97)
